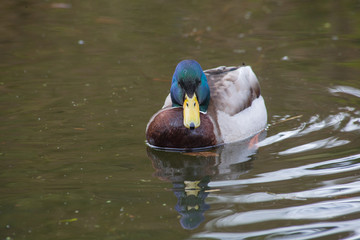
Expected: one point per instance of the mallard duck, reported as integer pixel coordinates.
(208, 108)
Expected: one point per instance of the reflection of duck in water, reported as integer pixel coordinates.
(207, 108)
(190, 177)
(191, 201)
(190, 174)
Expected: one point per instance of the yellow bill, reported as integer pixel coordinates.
(191, 112)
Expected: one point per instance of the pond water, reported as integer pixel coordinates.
(80, 80)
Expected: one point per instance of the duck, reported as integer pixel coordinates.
(208, 108)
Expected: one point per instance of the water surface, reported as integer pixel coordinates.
(80, 80)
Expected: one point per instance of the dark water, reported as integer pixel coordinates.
(80, 80)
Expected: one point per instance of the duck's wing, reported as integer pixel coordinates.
(232, 89)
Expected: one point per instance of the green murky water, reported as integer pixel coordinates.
(80, 80)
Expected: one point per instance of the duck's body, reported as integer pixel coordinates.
(234, 108)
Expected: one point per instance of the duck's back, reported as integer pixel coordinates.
(233, 88)
(236, 103)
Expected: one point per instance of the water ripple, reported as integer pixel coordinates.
(324, 143)
(352, 125)
(281, 136)
(331, 121)
(335, 121)
(316, 211)
(345, 89)
(303, 232)
(321, 192)
(334, 166)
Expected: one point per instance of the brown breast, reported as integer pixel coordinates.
(167, 130)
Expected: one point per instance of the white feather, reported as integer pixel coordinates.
(243, 124)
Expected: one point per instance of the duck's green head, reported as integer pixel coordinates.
(190, 90)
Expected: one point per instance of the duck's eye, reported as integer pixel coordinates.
(194, 104)
(187, 104)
